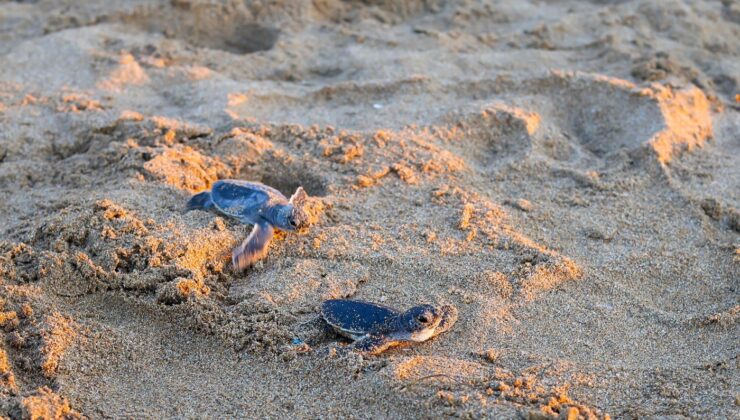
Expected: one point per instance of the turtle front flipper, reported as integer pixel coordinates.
(373, 344)
(254, 247)
(200, 201)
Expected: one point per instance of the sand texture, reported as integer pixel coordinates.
(566, 173)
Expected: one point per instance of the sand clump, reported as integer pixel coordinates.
(45, 404)
(564, 173)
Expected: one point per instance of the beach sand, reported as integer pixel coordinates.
(566, 173)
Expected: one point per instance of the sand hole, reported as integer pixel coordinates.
(287, 185)
(286, 179)
(399, 10)
(619, 121)
(604, 116)
(214, 26)
(240, 39)
(234, 37)
(495, 133)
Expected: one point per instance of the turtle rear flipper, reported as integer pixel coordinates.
(200, 201)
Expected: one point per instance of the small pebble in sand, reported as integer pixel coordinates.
(502, 387)
(9, 320)
(365, 181)
(599, 234)
(465, 216)
(733, 219)
(712, 208)
(521, 204)
(441, 191)
(405, 173)
(180, 290)
(26, 310)
(491, 355)
(571, 413)
(219, 224)
(429, 235)
(289, 355)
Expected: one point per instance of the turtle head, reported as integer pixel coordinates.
(420, 322)
(295, 216)
(289, 217)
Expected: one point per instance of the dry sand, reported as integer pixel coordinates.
(567, 173)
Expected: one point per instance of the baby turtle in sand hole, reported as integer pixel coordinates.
(256, 204)
(376, 328)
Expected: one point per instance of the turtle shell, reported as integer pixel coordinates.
(238, 198)
(355, 318)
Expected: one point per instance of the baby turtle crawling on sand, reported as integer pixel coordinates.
(256, 204)
(376, 328)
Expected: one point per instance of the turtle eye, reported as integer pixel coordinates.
(423, 319)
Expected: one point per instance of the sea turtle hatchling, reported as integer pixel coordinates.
(256, 204)
(376, 328)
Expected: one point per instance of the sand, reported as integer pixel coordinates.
(566, 173)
